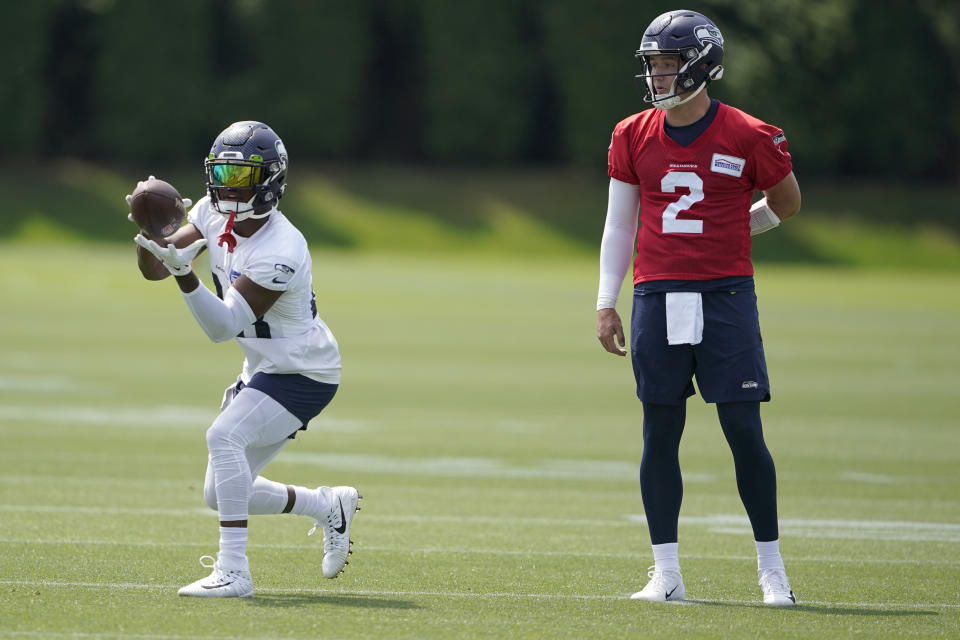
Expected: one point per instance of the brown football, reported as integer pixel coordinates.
(157, 207)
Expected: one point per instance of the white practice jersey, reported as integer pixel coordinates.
(290, 337)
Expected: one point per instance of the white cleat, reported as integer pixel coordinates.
(222, 583)
(776, 588)
(336, 529)
(666, 585)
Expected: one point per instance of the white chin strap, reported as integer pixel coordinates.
(675, 100)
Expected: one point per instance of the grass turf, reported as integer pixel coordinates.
(496, 447)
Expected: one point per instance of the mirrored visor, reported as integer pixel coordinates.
(235, 175)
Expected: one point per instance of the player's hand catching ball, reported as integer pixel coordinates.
(177, 261)
(157, 208)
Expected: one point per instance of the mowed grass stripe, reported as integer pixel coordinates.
(489, 595)
(941, 531)
(165, 416)
(627, 555)
(846, 477)
(11, 633)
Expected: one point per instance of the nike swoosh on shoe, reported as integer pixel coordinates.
(217, 586)
(343, 519)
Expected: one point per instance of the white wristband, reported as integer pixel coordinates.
(762, 217)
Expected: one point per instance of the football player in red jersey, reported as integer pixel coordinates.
(691, 166)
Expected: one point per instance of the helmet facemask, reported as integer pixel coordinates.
(229, 177)
(692, 75)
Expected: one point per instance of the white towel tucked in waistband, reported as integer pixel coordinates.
(684, 318)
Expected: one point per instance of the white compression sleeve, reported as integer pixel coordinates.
(619, 236)
(220, 319)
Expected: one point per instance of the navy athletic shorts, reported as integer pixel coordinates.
(728, 363)
(303, 397)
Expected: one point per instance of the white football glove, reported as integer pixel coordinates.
(177, 261)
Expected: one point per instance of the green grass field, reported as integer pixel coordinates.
(496, 447)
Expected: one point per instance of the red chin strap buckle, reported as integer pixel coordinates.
(227, 236)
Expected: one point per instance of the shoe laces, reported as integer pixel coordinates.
(658, 576)
(209, 562)
(774, 580)
(332, 521)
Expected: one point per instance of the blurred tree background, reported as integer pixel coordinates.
(861, 91)
(444, 126)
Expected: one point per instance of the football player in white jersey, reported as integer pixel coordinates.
(264, 300)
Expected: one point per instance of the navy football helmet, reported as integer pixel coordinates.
(247, 158)
(698, 43)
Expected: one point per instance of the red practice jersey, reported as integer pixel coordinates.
(695, 200)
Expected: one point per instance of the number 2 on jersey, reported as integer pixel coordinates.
(669, 184)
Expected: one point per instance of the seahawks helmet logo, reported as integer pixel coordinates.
(281, 151)
(708, 33)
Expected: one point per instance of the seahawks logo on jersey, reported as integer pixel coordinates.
(285, 273)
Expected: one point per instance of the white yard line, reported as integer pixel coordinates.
(131, 511)
(627, 555)
(480, 467)
(830, 528)
(5, 633)
(169, 416)
(37, 383)
(870, 478)
(828, 603)
(99, 481)
(717, 523)
(163, 416)
(413, 518)
(197, 418)
(496, 595)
